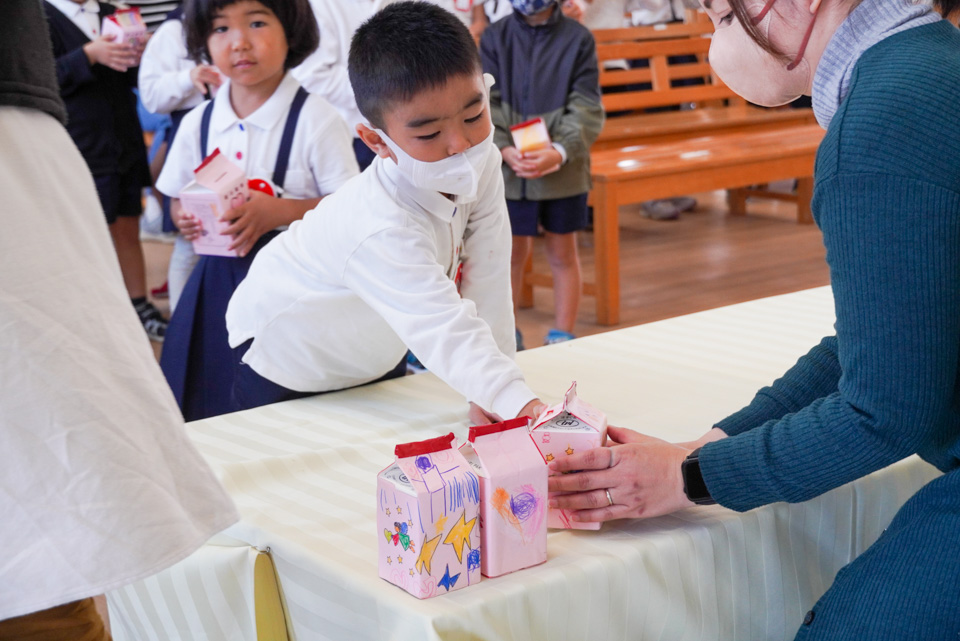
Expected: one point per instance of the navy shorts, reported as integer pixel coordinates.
(557, 216)
(120, 194)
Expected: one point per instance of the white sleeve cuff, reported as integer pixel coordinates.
(511, 399)
(186, 84)
(563, 152)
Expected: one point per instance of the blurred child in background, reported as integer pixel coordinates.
(96, 77)
(546, 67)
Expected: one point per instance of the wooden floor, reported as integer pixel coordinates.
(704, 260)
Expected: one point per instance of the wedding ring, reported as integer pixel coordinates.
(610, 464)
(609, 498)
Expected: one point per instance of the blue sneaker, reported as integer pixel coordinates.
(520, 345)
(414, 366)
(555, 336)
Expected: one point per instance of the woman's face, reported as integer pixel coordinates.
(755, 74)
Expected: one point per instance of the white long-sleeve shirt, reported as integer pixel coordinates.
(336, 300)
(164, 77)
(324, 72)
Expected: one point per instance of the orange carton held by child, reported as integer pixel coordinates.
(530, 135)
(218, 187)
(513, 496)
(568, 427)
(428, 504)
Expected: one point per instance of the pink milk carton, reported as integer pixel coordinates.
(513, 496)
(427, 519)
(219, 186)
(126, 25)
(571, 426)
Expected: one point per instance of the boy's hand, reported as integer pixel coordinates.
(541, 162)
(250, 221)
(119, 57)
(533, 409)
(203, 75)
(479, 416)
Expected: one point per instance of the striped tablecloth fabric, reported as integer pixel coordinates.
(303, 474)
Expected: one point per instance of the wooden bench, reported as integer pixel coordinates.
(637, 173)
(720, 143)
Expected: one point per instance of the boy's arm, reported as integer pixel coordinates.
(486, 258)
(73, 67)
(583, 116)
(396, 273)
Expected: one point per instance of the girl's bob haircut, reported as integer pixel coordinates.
(296, 16)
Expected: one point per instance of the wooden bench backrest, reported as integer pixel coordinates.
(654, 85)
(653, 32)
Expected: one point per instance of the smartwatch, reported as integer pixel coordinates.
(693, 485)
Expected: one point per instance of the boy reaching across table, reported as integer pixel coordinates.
(414, 252)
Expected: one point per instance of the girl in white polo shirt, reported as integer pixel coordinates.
(253, 44)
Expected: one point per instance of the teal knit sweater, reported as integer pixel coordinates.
(887, 199)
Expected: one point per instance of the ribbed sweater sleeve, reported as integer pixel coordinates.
(887, 200)
(897, 331)
(814, 376)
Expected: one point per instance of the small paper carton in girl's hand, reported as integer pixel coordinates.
(530, 135)
(428, 503)
(218, 186)
(571, 426)
(126, 25)
(513, 491)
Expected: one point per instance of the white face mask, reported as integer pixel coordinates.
(458, 174)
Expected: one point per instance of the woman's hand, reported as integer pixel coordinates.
(250, 221)
(640, 474)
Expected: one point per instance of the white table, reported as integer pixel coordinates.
(303, 475)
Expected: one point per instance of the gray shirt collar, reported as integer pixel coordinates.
(869, 23)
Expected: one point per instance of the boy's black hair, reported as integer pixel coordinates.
(296, 16)
(404, 49)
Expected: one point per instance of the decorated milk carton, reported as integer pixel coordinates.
(571, 426)
(513, 496)
(428, 506)
(126, 25)
(218, 186)
(530, 135)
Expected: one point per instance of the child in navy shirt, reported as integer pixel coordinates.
(96, 77)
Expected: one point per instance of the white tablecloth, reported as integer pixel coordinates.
(303, 475)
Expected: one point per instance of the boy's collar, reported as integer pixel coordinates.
(265, 117)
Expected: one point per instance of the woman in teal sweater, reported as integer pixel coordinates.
(884, 76)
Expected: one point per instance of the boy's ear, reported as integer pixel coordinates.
(373, 140)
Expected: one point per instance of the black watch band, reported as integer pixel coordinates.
(693, 485)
